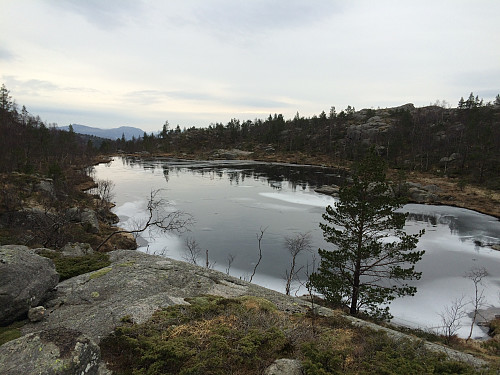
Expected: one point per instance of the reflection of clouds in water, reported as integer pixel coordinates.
(302, 198)
(423, 309)
(467, 225)
(448, 241)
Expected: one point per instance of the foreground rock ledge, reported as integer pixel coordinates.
(137, 284)
(57, 351)
(25, 281)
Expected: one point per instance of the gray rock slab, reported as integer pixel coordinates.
(25, 281)
(132, 287)
(53, 352)
(285, 367)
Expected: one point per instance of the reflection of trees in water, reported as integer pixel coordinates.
(275, 174)
(434, 219)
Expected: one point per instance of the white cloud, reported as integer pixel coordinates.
(195, 62)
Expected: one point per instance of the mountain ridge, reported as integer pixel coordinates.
(114, 133)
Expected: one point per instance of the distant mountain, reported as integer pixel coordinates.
(114, 133)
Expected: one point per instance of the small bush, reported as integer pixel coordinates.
(244, 335)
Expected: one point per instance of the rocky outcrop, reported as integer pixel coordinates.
(231, 154)
(76, 249)
(25, 281)
(58, 351)
(367, 131)
(137, 284)
(285, 367)
(133, 286)
(423, 194)
(332, 190)
(87, 217)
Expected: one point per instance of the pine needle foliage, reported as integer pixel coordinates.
(371, 256)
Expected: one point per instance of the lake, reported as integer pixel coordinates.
(232, 202)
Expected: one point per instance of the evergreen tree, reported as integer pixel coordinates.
(5, 99)
(372, 255)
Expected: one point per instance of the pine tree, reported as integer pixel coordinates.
(5, 99)
(372, 254)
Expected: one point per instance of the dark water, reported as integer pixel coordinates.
(233, 201)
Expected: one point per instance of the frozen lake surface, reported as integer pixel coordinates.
(232, 201)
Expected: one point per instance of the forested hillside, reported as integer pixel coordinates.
(30, 145)
(459, 142)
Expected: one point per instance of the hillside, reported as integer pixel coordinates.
(460, 143)
(127, 132)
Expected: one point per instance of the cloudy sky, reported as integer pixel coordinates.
(109, 63)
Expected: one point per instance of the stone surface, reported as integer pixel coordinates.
(58, 351)
(422, 194)
(89, 218)
(76, 249)
(285, 367)
(137, 284)
(25, 281)
(36, 314)
(332, 190)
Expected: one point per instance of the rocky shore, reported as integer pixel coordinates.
(76, 314)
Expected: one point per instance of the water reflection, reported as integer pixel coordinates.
(295, 176)
(232, 200)
(482, 230)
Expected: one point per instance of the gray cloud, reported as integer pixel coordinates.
(105, 14)
(5, 54)
(37, 87)
(244, 21)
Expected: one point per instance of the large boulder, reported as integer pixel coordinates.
(76, 249)
(132, 288)
(59, 351)
(25, 281)
(285, 366)
(87, 217)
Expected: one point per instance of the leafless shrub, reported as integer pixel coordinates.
(452, 316)
(230, 260)
(158, 219)
(104, 191)
(295, 245)
(259, 239)
(192, 251)
(476, 274)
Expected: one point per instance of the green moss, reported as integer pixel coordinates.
(127, 264)
(100, 273)
(10, 332)
(68, 267)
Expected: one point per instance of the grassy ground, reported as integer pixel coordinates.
(244, 335)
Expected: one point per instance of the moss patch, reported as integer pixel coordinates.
(68, 267)
(100, 273)
(10, 332)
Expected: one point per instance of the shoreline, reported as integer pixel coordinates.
(451, 193)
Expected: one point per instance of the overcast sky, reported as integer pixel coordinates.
(109, 63)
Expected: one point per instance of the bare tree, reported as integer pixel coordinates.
(259, 239)
(295, 245)
(452, 317)
(476, 274)
(192, 251)
(208, 263)
(104, 191)
(158, 219)
(230, 260)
